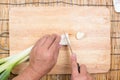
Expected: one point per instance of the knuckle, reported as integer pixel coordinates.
(49, 57)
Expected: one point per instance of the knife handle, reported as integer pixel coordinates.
(78, 67)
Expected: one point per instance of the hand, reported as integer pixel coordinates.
(83, 75)
(43, 57)
(44, 54)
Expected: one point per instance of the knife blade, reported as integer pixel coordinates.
(71, 50)
(68, 43)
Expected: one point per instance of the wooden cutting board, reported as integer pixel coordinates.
(28, 24)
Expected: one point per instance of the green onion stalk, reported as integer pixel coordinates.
(8, 63)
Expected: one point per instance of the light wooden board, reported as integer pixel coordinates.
(28, 24)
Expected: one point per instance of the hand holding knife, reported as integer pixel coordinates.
(71, 50)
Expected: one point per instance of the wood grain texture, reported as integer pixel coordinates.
(28, 24)
(114, 73)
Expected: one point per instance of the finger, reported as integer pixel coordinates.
(49, 41)
(74, 65)
(54, 47)
(40, 42)
(83, 70)
(57, 52)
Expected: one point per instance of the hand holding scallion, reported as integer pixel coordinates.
(43, 57)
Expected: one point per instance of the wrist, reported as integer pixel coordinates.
(37, 72)
(33, 75)
(28, 74)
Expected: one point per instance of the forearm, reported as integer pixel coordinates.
(28, 74)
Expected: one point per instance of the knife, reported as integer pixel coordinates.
(71, 50)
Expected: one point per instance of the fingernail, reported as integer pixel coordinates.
(74, 55)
